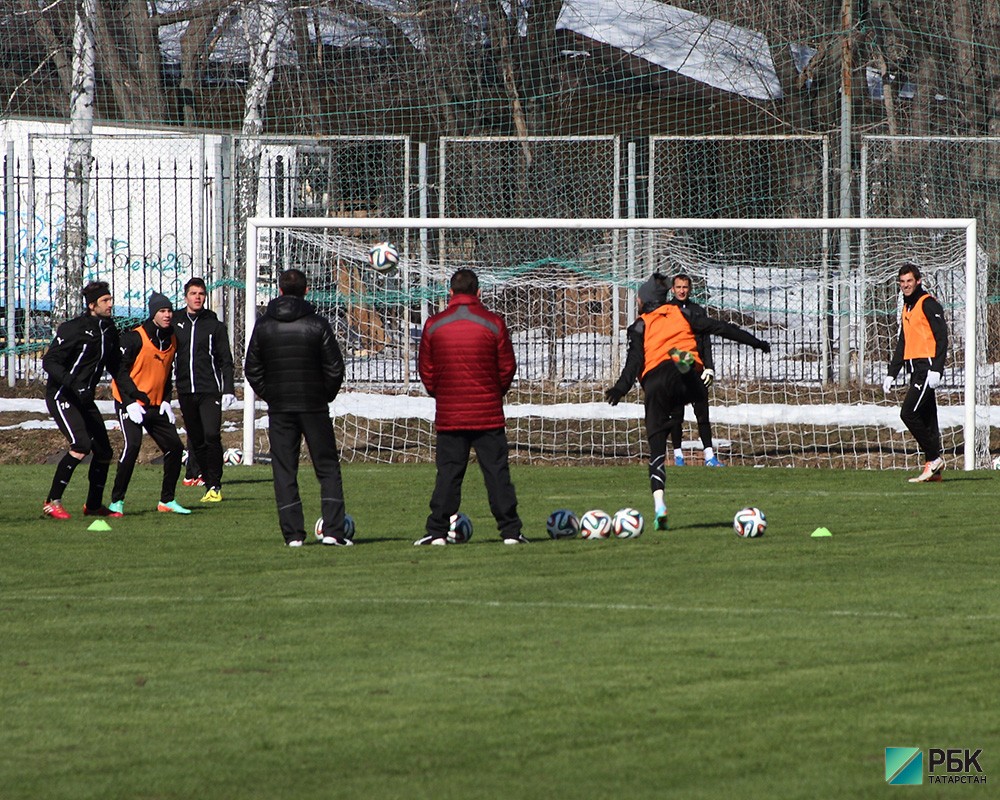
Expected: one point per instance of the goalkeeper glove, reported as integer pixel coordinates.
(228, 401)
(887, 382)
(708, 377)
(614, 395)
(135, 412)
(684, 359)
(168, 412)
(933, 379)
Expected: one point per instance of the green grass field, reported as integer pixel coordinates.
(195, 657)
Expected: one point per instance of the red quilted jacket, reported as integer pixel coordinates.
(467, 364)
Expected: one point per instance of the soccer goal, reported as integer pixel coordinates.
(823, 292)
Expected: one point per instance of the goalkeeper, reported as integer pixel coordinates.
(680, 287)
(921, 349)
(663, 355)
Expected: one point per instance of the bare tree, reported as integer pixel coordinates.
(129, 53)
(78, 161)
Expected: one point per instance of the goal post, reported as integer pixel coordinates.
(769, 286)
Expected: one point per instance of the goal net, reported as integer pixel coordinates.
(824, 293)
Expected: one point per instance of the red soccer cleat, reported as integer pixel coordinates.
(54, 509)
(103, 511)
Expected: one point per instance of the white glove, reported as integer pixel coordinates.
(168, 412)
(135, 412)
(933, 379)
(228, 401)
(708, 377)
(887, 382)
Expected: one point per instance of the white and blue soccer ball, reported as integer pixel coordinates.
(348, 527)
(749, 523)
(595, 524)
(232, 457)
(460, 530)
(627, 523)
(383, 257)
(562, 524)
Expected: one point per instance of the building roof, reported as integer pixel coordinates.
(708, 50)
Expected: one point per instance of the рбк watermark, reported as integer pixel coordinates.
(904, 766)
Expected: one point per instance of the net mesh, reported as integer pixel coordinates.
(186, 118)
(568, 312)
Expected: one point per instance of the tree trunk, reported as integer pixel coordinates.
(129, 53)
(66, 299)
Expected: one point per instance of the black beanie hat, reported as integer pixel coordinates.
(158, 301)
(94, 291)
(653, 293)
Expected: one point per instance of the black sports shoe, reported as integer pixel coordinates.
(431, 538)
(519, 539)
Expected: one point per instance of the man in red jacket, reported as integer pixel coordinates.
(467, 365)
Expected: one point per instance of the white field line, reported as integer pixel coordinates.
(257, 599)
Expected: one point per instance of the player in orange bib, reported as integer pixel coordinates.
(141, 389)
(921, 349)
(663, 355)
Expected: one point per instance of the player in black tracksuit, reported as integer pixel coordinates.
(203, 379)
(681, 289)
(663, 355)
(83, 348)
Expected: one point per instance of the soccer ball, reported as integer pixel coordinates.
(627, 523)
(348, 527)
(461, 529)
(562, 524)
(232, 457)
(749, 523)
(595, 524)
(996, 463)
(383, 257)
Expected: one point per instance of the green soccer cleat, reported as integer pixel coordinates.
(117, 507)
(172, 507)
(661, 523)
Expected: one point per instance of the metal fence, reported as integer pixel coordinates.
(163, 207)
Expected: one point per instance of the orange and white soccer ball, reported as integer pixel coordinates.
(627, 523)
(749, 523)
(383, 257)
(595, 524)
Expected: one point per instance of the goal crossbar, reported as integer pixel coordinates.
(968, 225)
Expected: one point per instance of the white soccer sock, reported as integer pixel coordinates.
(658, 501)
(709, 453)
(678, 453)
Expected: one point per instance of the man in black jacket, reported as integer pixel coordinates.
(680, 288)
(294, 363)
(80, 352)
(203, 378)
